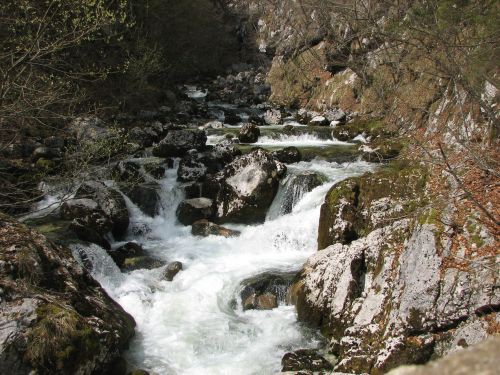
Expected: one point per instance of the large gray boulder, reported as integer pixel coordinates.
(245, 188)
(56, 319)
(178, 142)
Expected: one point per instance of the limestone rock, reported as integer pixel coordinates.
(55, 318)
(245, 188)
(110, 202)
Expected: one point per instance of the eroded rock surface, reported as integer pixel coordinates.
(390, 295)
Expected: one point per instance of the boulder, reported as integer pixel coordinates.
(335, 115)
(288, 155)
(191, 168)
(155, 169)
(213, 125)
(257, 120)
(124, 252)
(319, 121)
(245, 188)
(305, 360)
(146, 196)
(231, 118)
(273, 117)
(191, 210)
(92, 228)
(172, 269)
(263, 292)
(128, 171)
(348, 210)
(110, 201)
(56, 319)
(178, 142)
(249, 133)
(205, 228)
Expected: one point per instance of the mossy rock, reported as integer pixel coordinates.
(358, 205)
(383, 150)
(61, 338)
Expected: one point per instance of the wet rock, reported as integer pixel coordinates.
(55, 317)
(205, 228)
(245, 189)
(145, 137)
(146, 196)
(92, 228)
(124, 252)
(305, 360)
(191, 210)
(249, 133)
(294, 187)
(89, 222)
(178, 142)
(263, 292)
(111, 203)
(288, 155)
(141, 262)
(266, 301)
(273, 117)
(225, 152)
(155, 169)
(304, 116)
(172, 269)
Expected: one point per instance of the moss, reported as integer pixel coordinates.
(352, 200)
(60, 339)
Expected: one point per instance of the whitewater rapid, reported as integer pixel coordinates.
(195, 324)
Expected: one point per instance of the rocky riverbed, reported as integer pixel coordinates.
(206, 233)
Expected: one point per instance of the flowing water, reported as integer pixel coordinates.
(195, 324)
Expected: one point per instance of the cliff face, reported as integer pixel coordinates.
(401, 293)
(55, 317)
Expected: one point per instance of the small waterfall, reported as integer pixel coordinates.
(292, 188)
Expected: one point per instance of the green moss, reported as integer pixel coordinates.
(60, 339)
